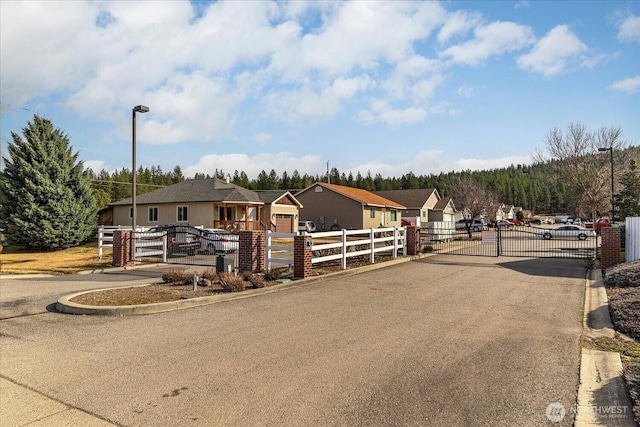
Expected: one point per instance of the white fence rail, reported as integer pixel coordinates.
(105, 236)
(273, 244)
(354, 243)
(632, 239)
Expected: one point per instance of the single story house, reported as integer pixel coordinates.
(280, 211)
(420, 203)
(444, 210)
(332, 206)
(211, 203)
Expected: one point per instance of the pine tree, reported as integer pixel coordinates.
(45, 195)
(630, 194)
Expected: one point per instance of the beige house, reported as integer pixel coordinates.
(423, 203)
(211, 203)
(334, 207)
(280, 211)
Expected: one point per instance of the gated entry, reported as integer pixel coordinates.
(516, 242)
(187, 246)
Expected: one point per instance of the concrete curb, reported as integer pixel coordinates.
(65, 305)
(603, 398)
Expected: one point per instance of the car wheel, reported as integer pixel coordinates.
(582, 236)
(547, 236)
(476, 228)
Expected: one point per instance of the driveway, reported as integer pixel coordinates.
(445, 341)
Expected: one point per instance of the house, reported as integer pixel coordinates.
(212, 203)
(423, 203)
(280, 211)
(334, 207)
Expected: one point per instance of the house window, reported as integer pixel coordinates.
(153, 214)
(228, 214)
(183, 214)
(372, 213)
(424, 214)
(394, 215)
(131, 212)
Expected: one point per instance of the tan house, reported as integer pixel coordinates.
(334, 207)
(444, 210)
(211, 203)
(280, 211)
(423, 203)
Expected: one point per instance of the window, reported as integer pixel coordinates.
(372, 213)
(183, 214)
(424, 214)
(394, 215)
(131, 212)
(153, 214)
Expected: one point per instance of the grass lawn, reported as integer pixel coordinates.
(15, 260)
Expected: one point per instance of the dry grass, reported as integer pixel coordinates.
(15, 260)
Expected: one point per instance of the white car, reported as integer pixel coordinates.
(568, 232)
(218, 241)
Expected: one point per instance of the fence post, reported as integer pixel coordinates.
(610, 246)
(121, 248)
(100, 241)
(268, 249)
(302, 256)
(395, 242)
(251, 251)
(412, 240)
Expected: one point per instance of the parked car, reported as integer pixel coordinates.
(600, 223)
(218, 241)
(567, 232)
(180, 238)
(515, 221)
(308, 226)
(406, 223)
(476, 225)
(504, 224)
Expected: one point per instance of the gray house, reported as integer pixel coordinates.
(420, 203)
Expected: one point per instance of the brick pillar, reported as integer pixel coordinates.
(302, 257)
(610, 247)
(251, 247)
(121, 248)
(413, 240)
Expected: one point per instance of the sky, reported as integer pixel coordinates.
(386, 87)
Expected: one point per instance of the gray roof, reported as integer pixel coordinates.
(412, 198)
(197, 190)
(270, 196)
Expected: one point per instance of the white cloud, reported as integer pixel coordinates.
(630, 29)
(253, 165)
(262, 137)
(554, 53)
(458, 23)
(522, 4)
(466, 90)
(630, 85)
(490, 40)
(487, 164)
(96, 165)
(381, 111)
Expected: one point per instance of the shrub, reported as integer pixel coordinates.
(209, 274)
(231, 282)
(623, 275)
(257, 281)
(176, 275)
(273, 274)
(247, 275)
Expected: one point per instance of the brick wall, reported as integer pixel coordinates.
(302, 257)
(413, 240)
(121, 248)
(251, 251)
(610, 247)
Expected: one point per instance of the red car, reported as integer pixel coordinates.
(515, 221)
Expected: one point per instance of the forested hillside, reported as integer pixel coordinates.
(533, 187)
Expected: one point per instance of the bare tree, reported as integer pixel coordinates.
(475, 200)
(576, 162)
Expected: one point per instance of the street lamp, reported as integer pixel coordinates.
(613, 201)
(138, 109)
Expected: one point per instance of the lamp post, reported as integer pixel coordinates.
(138, 109)
(613, 201)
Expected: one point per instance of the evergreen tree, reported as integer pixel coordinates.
(45, 194)
(630, 194)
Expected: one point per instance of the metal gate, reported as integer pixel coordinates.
(515, 242)
(216, 249)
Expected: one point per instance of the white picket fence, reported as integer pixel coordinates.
(632, 242)
(274, 244)
(105, 236)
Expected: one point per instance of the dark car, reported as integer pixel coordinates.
(180, 238)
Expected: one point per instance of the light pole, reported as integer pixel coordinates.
(138, 109)
(613, 201)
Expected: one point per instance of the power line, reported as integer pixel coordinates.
(128, 183)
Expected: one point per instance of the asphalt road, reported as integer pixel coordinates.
(445, 341)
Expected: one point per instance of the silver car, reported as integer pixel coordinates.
(568, 232)
(218, 241)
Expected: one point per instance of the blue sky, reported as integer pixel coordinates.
(386, 87)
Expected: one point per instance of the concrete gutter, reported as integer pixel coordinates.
(65, 305)
(603, 398)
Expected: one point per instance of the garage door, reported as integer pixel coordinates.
(284, 223)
